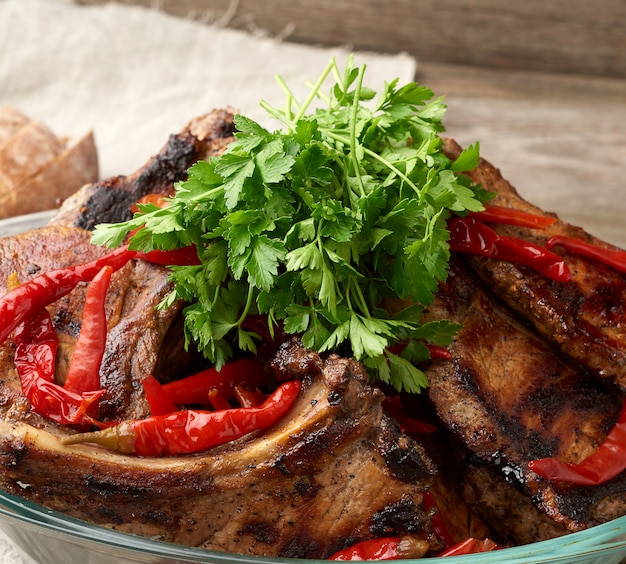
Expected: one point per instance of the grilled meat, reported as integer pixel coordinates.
(136, 329)
(584, 317)
(334, 471)
(110, 200)
(510, 397)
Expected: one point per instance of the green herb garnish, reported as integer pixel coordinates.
(316, 225)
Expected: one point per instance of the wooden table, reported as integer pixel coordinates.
(542, 85)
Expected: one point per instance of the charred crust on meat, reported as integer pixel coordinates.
(404, 457)
(111, 199)
(403, 516)
(12, 452)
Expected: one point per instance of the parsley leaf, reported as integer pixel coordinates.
(316, 224)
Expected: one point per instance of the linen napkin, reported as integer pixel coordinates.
(135, 75)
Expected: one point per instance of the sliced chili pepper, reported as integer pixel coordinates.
(470, 546)
(512, 216)
(83, 374)
(468, 235)
(611, 257)
(183, 256)
(605, 463)
(47, 288)
(247, 397)
(158, 200)
(438, 353)
(385, 548)
(217, 401)
(194, 389)
(393, 406)
(35, 347)
(438, 523)
(190, 431)
(158, 400)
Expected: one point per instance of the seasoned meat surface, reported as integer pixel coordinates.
(584, 317)
(136, 328)
(333, 471)
(510, 397)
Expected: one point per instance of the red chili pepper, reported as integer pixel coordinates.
(36, 294)
(247, 397)
(470, 546)
(158, 200)
(468, 235)
(611, 257)
(194, 389)
(83, 374)
(183, 256)
(440, 528)
(190, 431)
(605, 463)
(438, 353)
(217, 401)
(512, 216)
(393, 406)
(35, 349)
(158, 400)
(385, 548)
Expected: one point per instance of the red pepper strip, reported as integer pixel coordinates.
(385, 548)
(158, 200)
(512, 216)
(36, 371)
(393, 406)
(158, 400)
(437, 352)
(47, 288)
(217, 401)
(605, 463)
(470, 546)
(83, 374)
(438, 523)
(183, 256)
(194, 389)
(611, 257)
(468, 235)
(248, 398)
(190, 431)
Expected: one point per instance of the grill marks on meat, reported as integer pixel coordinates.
(136, 329)
(584, 317)
(333, 471)
(323, 477)
(510, 397)
(110, 200)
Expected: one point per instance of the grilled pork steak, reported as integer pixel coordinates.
(510, 397)
(334, 471)
(136, 329)
(584, 317)
(110, 200)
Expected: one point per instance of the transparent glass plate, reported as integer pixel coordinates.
(49, 536)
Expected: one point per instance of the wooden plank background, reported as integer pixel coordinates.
(540, 83)
(573, 36)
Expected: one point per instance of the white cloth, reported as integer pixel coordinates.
(134, 75)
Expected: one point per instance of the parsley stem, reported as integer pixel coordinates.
(313, 94)
(290, 98)
(356, 103)
(247, 307)
(378, 157)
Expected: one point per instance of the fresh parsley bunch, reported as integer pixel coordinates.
(315, 226)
